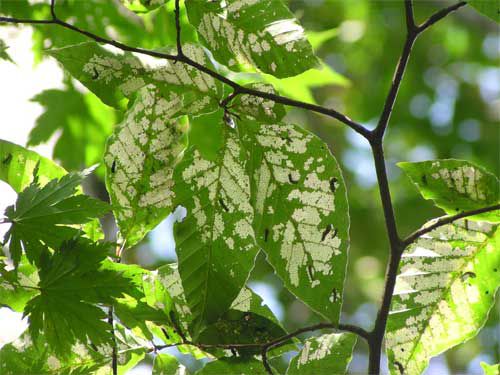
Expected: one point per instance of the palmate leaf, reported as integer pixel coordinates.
(301, 212)
(17, 165)
(25, 356)
(73, 281)
(215, 242)
(256, 34)
(490, 369)
(38, 213)
(3, 52)
(326, 354)
(165, 364)
(443, 294)
(456, 185)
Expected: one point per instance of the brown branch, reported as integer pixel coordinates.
(178, 28)
(114, 354)
(186, 60)
(447, 220)
(440, 15)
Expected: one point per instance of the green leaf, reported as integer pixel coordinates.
(38, 213)
(73, 281)
(141, 6)
(445, 289)
(455, 186)
(489, 8)
(490, 369)
(114, 76)
(140, 157)
(325, 354)
(233, 366)
(17, 165)
(25, 356)
(165, 364)
(84, 123)
(215, 242)
(3, 52)
(301, 212)
(17, 286)
(256, 34)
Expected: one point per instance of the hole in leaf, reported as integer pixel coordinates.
(290, 178)
(465, 276)
(333, 187)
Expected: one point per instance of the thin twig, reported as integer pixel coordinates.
(440, 15)
(447, 220)
(265, 362)
(360, 129)
(178, 28)
(114, 355)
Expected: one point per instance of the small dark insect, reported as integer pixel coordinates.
(290, 178)
(328, 229)
(424, 179)
(333, 181)
(7, 159)
(467, 275)
(335, 295)
(165, 333)
(400, 367)
(113, 167)
(95, 73)
(225, 208)
(466, 222)
(310, 271)
(266, 234)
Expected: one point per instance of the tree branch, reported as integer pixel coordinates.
(186, 60)
(114, 354)
(446, 220)
(439, 16)
(178, 28)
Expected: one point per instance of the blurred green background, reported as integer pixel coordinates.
(448, 107)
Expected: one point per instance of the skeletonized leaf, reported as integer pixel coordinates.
(17, 165)
(257, 108)
(326, 354)
(490, 8)
(301, 212)
(443, 294)
(113, 75)
(165, 364)
(215, 242)
(256, 34)
(456, 185)
(139, 158)
(233, 366)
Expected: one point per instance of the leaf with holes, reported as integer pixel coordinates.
(455, 186)
(256, 34)
(444, 291)
(325, 354)
(301, 212)
(254, 107)
(113, 76)
(215, 242)
(140, 157)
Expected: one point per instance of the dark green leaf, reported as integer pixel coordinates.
(233, 366)
(17, 286)
(490, 8)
